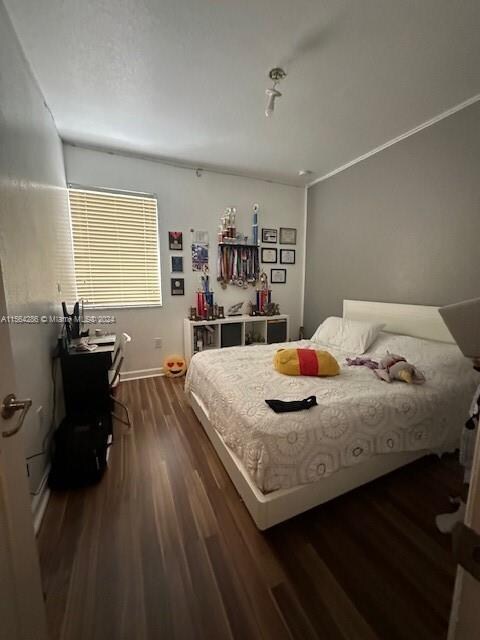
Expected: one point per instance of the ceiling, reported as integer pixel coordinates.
(184, 80)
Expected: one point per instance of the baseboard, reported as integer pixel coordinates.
(40, 501)
(141, 373)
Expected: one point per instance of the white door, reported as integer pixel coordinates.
(465, 616)
(22, 610)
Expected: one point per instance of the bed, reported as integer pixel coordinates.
(362, 428)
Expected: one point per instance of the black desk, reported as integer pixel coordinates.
(85, 377)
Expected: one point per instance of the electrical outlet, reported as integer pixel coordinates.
(158, 343)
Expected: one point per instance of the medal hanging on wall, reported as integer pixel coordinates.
(237, 265)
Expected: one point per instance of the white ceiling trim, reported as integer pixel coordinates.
(407, 134)
(196, 168)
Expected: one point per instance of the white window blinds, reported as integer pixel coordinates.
(116, 248)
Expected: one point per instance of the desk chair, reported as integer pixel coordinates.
(114, 379)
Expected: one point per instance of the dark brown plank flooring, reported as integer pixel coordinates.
(164, 548)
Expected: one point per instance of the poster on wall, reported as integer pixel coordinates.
(199, 256)
(175, 240)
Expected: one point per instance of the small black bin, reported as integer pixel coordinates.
(231, 334)
(79, 452)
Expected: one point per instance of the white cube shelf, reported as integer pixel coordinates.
(265, 324)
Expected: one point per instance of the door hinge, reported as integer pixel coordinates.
(466, 549)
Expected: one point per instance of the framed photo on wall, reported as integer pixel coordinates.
(175, 240)
(199, 256)
(288, 235)
(269, 256)
(278, 276)
(269, 236)
(287, 256)
(177, 286)
(176, 264)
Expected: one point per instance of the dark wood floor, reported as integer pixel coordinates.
(164, 548)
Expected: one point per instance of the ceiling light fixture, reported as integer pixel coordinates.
(276, 74)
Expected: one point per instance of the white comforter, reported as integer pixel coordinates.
(357, 415)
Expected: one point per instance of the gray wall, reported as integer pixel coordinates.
(35, 248)
(401, 226)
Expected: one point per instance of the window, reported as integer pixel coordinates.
(116, 248)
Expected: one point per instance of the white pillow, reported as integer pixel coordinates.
(354, 336)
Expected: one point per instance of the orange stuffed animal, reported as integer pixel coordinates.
(305, 362)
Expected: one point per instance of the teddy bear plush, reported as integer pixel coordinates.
(305, 362)
(393, 367)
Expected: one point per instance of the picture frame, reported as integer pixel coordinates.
(175, 240)
(269, 256)
(278, 276)
(176, 264)
(199, 236)
(288, 235)
(287, 256)
(177, 286)
(270, 236)
(199, 256)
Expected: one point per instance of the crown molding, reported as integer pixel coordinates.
(198, 169)
(407, 134)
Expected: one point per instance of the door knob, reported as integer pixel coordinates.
(11, 405)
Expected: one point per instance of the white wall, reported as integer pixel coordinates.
(186, 201)
(34, 232)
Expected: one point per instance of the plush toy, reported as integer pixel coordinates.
(174, 366)
(305, 362)
(393, 367)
